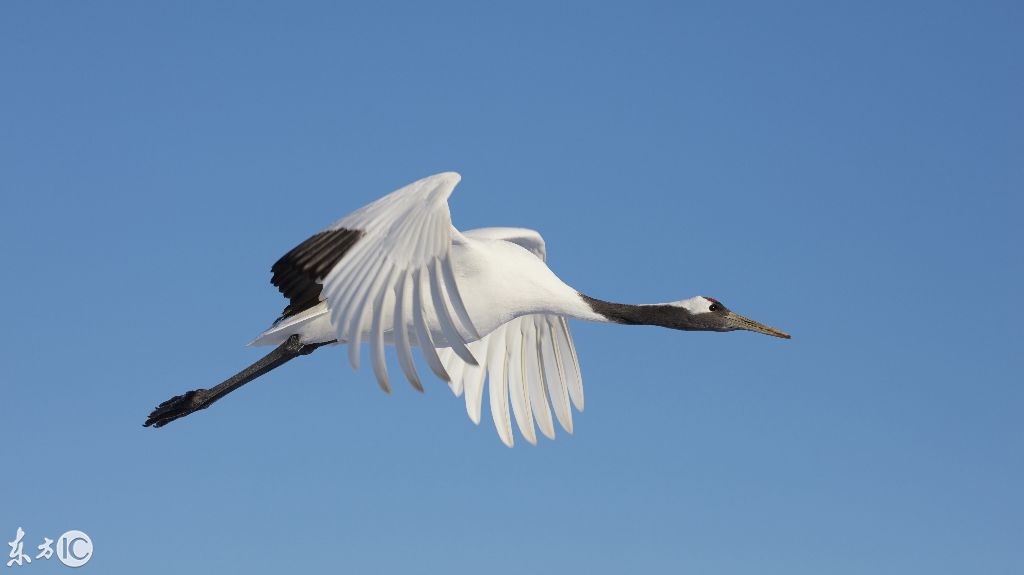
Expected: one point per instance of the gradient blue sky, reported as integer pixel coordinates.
(852, 173)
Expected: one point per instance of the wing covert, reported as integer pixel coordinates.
(401, 261)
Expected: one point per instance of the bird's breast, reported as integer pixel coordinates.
(498, 281)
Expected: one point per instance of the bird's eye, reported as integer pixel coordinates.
(714, 307)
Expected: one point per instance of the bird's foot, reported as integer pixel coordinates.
(177, 407)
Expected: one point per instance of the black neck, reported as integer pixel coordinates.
(663, 315)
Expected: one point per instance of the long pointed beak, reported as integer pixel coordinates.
(739, 322)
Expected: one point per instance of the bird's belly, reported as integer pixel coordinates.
(498, 281)
(320, 328)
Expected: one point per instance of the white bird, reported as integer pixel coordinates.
(480, 305)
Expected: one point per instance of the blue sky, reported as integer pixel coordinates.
(851, 173)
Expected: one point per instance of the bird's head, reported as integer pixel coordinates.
(703, 313)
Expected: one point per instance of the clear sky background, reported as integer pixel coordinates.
(852, 173)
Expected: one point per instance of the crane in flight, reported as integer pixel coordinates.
(481, 305)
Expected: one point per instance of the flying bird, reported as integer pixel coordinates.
(481, 305)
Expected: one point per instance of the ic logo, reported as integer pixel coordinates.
(74, 548)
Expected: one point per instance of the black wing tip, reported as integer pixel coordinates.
(297, 274)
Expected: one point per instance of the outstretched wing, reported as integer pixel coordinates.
(530, 362)
(525, 237)
(399, 258)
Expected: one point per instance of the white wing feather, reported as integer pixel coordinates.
(530, 363)
(529, 366)
(402, 261)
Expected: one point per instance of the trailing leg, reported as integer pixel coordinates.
(181, 405)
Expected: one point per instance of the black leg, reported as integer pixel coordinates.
(181, 405)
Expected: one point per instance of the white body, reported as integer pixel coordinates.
(480, 306)
(499, 280)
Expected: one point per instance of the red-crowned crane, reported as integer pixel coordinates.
(480, 305)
